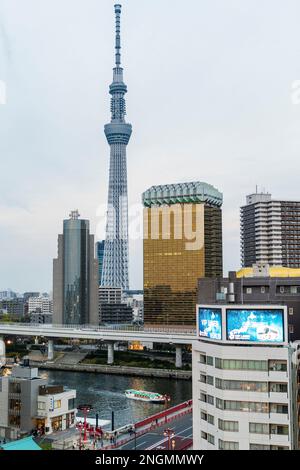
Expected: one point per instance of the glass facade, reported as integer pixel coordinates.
(182, 243)
(100, 256)
(76, 271)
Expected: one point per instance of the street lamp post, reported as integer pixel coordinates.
(173, 444)
(85, 409)
(169, 433)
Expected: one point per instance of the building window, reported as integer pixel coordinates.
(203, 378)
(14, 405)
(206, 379)
(202, 359)
(263, 290)
(41, 405)
(282, 430)
(258, 428)
(234, 364)
(278, 387)
(231, 426)
(207, 417)
(210, 400)
(259, 447)
(15, 421)
(209, 380)
(245, 386)
(210, 361)
(279, 448)
(249, 290)
(207, 398)
(291, 329)
(277, 366)
(208, 437)
(228, 445)
(279, 408)
(57, 404)
(14, 387)
(291, 311)
(210, 419)
(294, 290)
(281, 290)
(246, 406)
(71, 403)
(220, 404)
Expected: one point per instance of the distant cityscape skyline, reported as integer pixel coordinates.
(220, 131)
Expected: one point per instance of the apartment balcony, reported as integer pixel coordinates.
(279, 439)
(279, 418)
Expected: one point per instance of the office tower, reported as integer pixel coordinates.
(270, 231)
(100, 256)
(245, 379)
(75, 275)
(118, 132)
(182, 242)
(256, 285)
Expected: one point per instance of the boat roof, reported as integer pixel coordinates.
(144, 393)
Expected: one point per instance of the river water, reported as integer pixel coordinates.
(106, 393)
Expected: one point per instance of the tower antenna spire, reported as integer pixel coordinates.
(118, 9)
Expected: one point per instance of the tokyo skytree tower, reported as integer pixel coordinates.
(118, 132)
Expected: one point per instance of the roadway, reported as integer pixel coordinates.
(182, 427)
(89, 332)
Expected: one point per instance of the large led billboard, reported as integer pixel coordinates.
(210, 323)
(257, 325)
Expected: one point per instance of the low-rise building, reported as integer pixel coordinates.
(27, 403)
(56, 409)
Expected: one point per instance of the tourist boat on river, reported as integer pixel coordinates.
(151, 397)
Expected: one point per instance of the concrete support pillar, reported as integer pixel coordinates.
(50, 350)
(110, 353)
(2, 352)
(178, 362)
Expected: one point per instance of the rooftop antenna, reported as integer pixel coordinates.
(118, 9)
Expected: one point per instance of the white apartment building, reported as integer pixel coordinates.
(42, 304)
(270, 231)
(244, 392)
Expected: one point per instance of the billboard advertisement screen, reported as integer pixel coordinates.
(258, 325)
(210, 323)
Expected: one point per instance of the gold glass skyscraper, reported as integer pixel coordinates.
(182, 243)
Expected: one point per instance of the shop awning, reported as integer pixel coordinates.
(22, 444)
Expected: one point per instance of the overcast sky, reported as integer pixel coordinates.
(209, 99)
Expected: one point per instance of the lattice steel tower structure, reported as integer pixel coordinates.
(118, 132)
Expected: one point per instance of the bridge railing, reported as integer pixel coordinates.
(112, 328)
